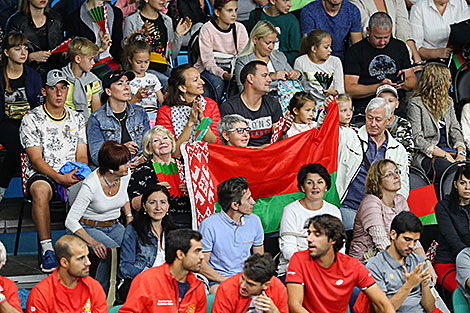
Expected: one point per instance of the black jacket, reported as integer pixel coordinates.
(21, 23)
(193, 10)
(76, 27)
(454, 230)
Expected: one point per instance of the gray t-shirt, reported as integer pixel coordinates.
(462, 264)
(244, 9)
(389, 276)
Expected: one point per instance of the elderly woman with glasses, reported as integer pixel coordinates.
(380, 205)
(234, 131)
(160, 167)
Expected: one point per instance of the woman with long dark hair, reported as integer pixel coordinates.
(453, 220)
(44, 29)
(143, 245)
(185, 107)
(20, 91)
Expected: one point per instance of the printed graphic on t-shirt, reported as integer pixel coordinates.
(381, 66)
(87, 307)
(17, 96)
(260, 126)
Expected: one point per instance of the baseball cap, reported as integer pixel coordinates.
(113, 76)
(54, 77)
(386, 88)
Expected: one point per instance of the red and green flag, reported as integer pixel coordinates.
(422, 202)
(169, 173)
(271, 172)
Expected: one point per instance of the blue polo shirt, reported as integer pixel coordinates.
(228, 242)
(357, 188)
(314, 16)
(390, 277)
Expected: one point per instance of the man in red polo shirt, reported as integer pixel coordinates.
(321, 279)
(9, 300)
(255, 287)
(68, 288)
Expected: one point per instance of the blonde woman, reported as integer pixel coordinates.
(158, 145)
(436, 132)
(261, 46)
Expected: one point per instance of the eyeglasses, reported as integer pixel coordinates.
(397, 172)
(241, 130)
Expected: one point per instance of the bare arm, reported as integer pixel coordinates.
(81, 155)
(427, 299)
(259, 249)
(6, 307)
(356, 90)
(439, 53)
(208, 271)
(379, 299)
(95, 102)
(414, 52)
(295, 293)
(410, 79)
(356, 37)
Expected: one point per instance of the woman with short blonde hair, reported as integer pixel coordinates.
(158, 145)
(262, 47)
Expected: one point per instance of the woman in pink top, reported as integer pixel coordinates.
(377, 210)
(371, 233)
(220, 41)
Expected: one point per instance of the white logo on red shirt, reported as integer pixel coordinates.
(339, 282)
(165, 302)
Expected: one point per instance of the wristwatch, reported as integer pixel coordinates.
(462, 152)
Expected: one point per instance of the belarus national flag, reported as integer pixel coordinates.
(271, 172)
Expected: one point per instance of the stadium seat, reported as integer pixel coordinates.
(210, 302)
(459, 302)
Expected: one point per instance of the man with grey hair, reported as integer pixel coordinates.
(234, 131)
(377, 60)
(357, 151)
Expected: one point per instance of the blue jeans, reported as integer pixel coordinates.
(217, 82)
(348, 216)
(110, 237)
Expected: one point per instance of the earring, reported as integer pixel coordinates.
(145, 212)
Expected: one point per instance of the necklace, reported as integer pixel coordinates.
(123, 117)
(110, 186)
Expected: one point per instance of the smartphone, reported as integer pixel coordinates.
(399, 78)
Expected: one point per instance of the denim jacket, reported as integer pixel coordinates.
(135, 256)
(103, 125)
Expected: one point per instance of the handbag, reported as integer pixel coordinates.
(286, 90)
(16, 110)
(227, 61)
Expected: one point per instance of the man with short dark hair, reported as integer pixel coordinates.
(377, 60)
(321, 279)
(399, 271)
(340, 18)
(68, 288)
(255, 288)
(261, 110)
(171, 287)
(52, 135)
(229, 236)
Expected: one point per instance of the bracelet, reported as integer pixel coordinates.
(129, 215)
(3, 298)
(427, 259)
(462, 152)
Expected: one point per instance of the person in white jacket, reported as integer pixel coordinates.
(358, 150)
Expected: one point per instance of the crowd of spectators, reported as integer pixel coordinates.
(99, 87)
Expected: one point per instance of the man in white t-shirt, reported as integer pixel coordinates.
(52, 135)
